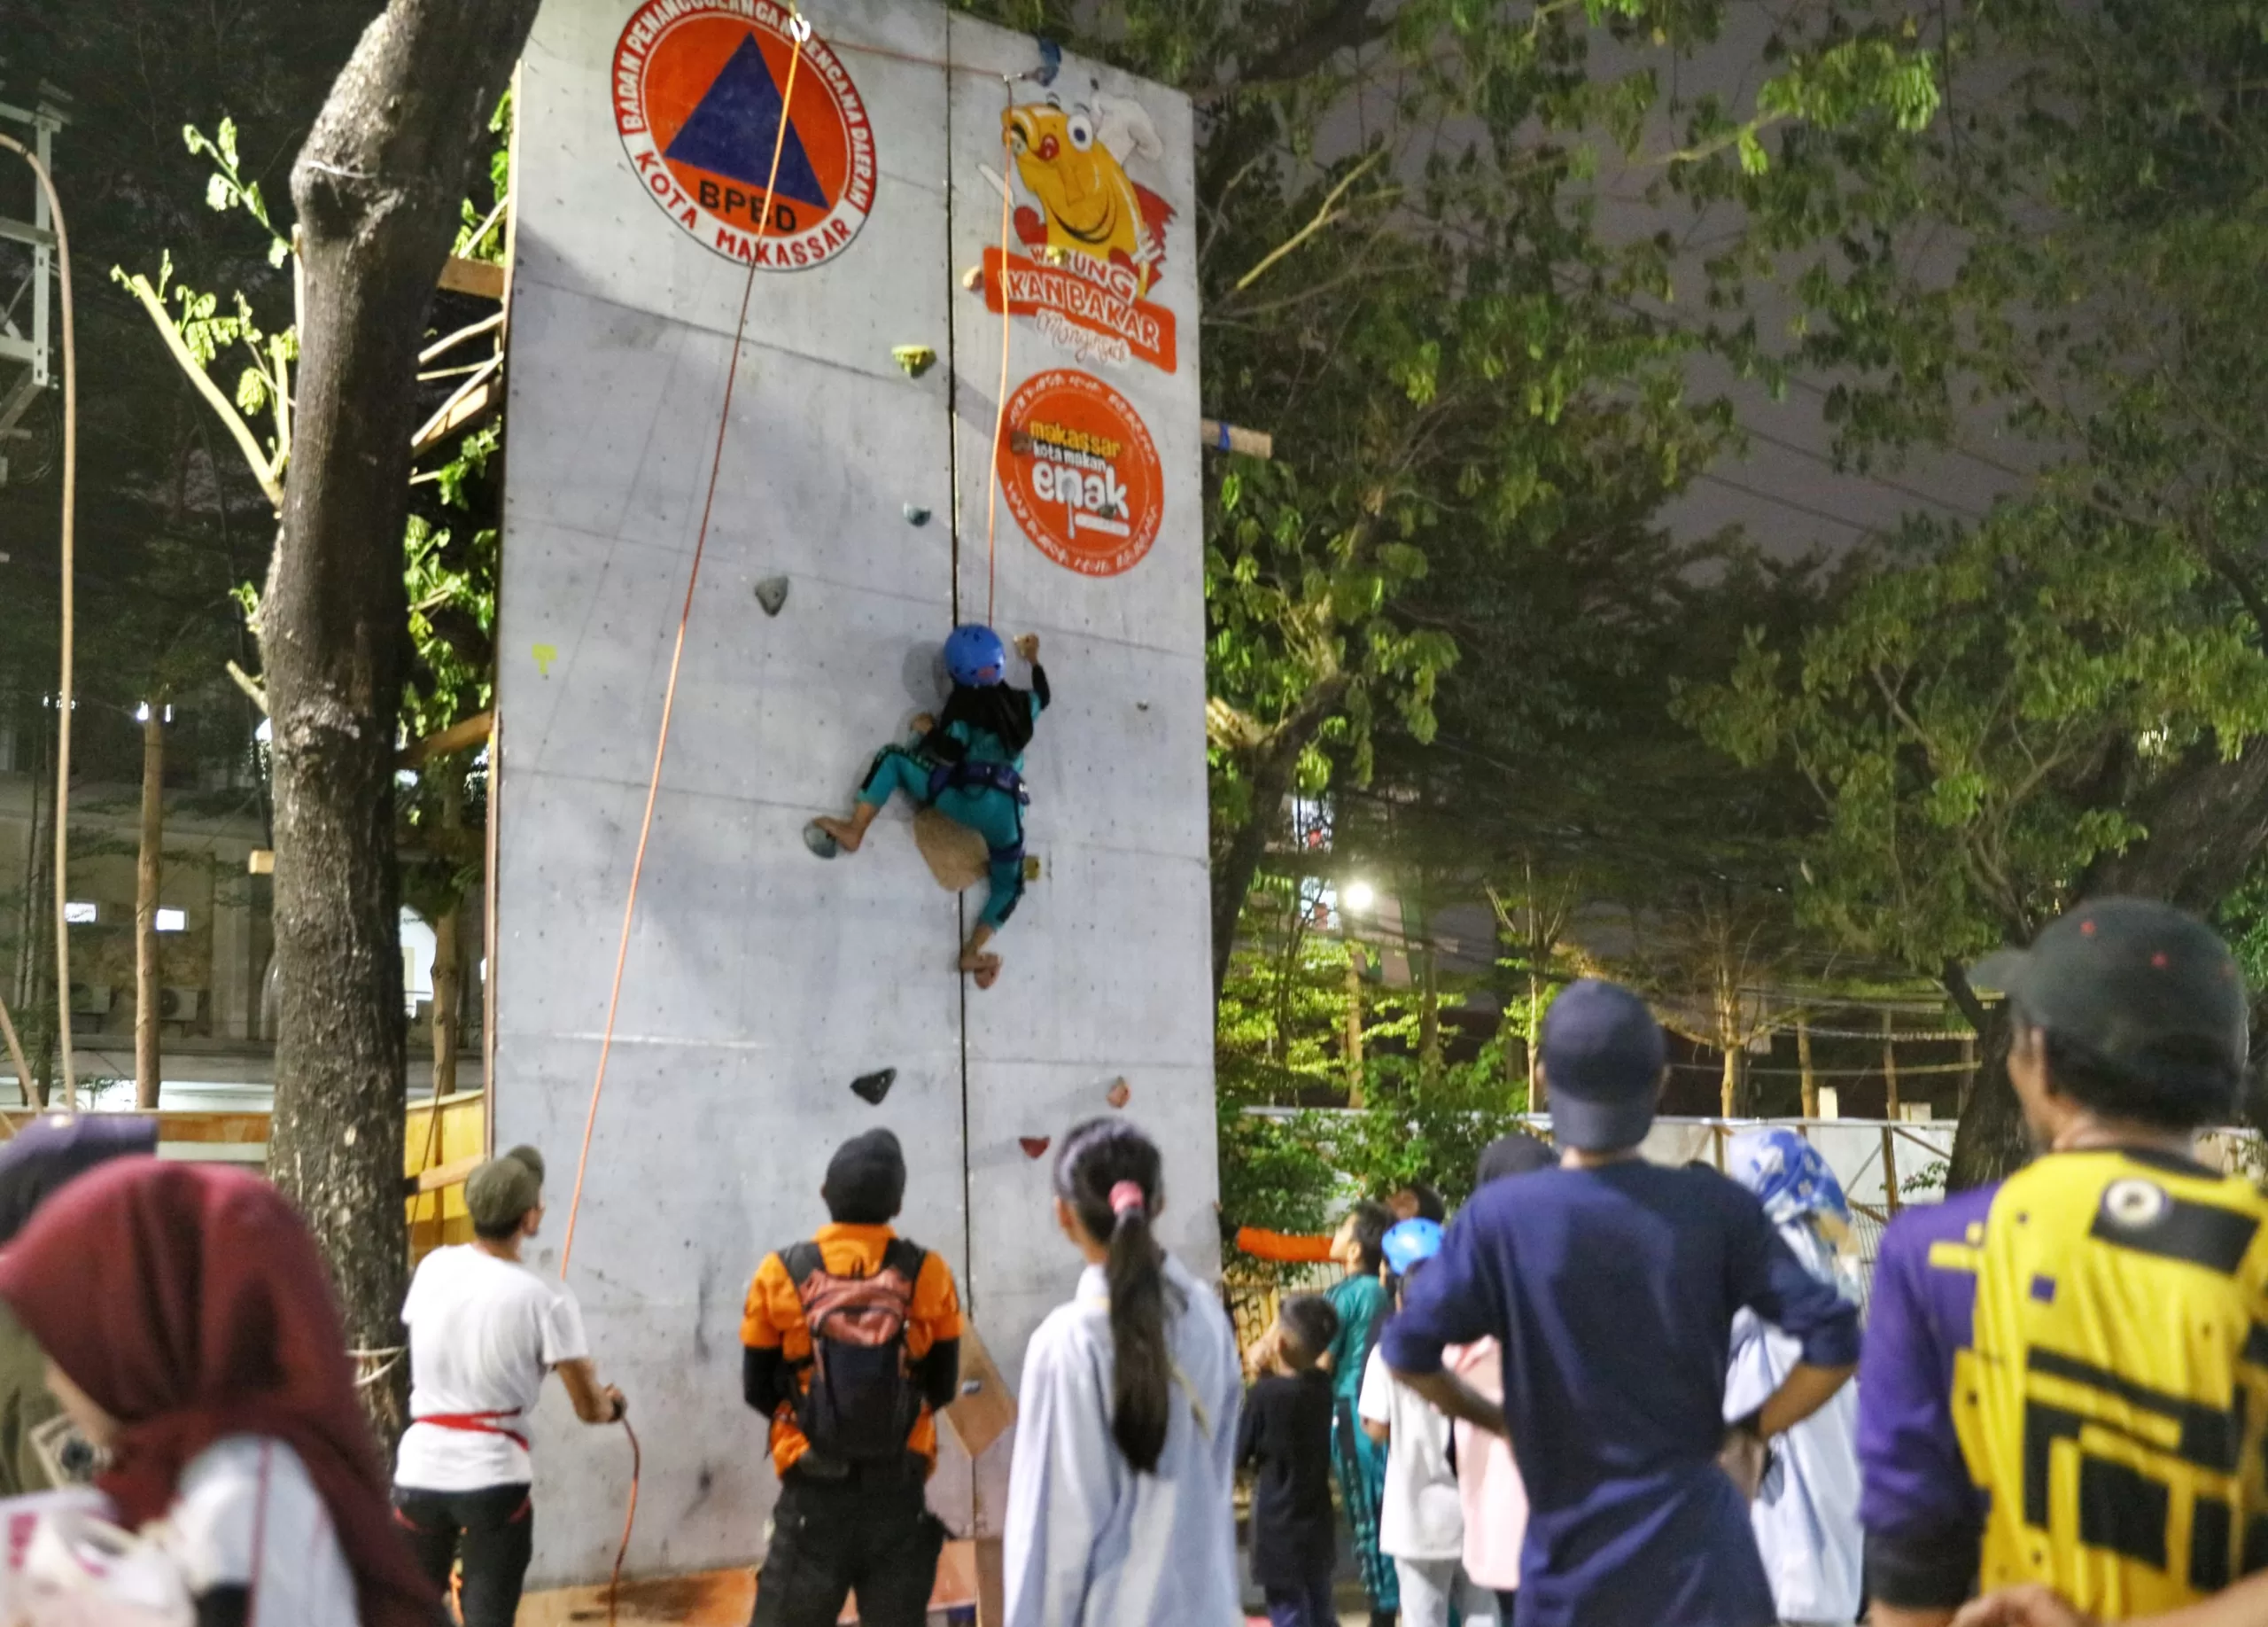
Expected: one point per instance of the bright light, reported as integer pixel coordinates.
(173, 921)
(1357, 896)
(79, 913)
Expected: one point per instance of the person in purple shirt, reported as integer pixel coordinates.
(1612, 1285)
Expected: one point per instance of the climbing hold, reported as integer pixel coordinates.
(1051, 60)
(1141, 705)
(545, 655)
(1034, 1145)
(872, 1087)
(916, 515)
(1118, 1094)
(915, 359)
(821, 844)
(973, 279)
(1031, 866)
(771, 593)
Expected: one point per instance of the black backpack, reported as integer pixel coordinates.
(861, 1401)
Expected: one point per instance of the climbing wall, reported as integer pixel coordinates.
(759, 981)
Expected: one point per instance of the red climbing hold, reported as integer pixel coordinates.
(1034, 1145)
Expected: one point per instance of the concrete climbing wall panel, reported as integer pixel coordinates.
(758, 981)
(1098, 547)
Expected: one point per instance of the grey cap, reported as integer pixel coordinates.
(2137, 982)
(1603, 1059)
(500, 1192)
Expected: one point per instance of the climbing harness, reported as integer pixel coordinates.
(966, 775)
(478, 1423)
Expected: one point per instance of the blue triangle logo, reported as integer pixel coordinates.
(730, 133)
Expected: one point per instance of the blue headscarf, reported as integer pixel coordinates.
(1787, 1173)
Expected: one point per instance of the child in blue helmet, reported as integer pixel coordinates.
(1421, 1517)
(968, 765)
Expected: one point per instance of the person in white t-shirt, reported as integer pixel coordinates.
(1421, 1516)
(484, 1329)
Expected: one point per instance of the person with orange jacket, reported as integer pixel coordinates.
(852, 1346)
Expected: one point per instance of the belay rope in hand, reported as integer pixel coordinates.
(799, 29)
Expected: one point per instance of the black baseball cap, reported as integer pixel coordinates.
(2136, 982)
(1602, 1060)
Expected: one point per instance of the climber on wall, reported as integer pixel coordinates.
(968, 765)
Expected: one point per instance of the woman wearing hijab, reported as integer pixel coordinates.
(190, 1332)
(40, 1449)
(1120, 1492)
(1806, 1512)
(1359, 1462)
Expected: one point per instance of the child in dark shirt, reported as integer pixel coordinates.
(1286, 1431)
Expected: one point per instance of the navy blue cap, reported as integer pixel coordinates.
(1602, 1060)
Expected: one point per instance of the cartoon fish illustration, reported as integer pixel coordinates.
(1074, 162)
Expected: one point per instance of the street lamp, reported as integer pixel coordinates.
(1357, 896)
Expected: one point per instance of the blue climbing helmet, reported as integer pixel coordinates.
(1410, 1243)
(975, 657)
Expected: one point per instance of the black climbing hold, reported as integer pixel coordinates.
(916, 515)
(872, 1087)
(771, 593)
(821, 844)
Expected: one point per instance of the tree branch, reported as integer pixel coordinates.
(262, 470)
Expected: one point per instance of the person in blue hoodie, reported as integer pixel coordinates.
(968, 765)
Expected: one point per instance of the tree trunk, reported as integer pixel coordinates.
(2207, 824)
(1803, 1063)
(1353, 1044)
(1990, 1142)
(1890, 1103)
(1732, 1091)
(378, 187)
(149, 872)
(1272, 767)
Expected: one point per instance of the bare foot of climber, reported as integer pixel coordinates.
(984, 967)
(847, 833)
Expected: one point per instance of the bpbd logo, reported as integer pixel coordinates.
(700, 89)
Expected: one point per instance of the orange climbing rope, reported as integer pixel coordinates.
(630, 1518)
(1000, 413)
(799, 31)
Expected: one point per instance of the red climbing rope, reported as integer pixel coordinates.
(630, 1518)
(1001, 413)
(799, 31)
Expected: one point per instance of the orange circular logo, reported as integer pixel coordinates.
(1081, 474)
(698, 88)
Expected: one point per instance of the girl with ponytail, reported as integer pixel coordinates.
(1119, 1510)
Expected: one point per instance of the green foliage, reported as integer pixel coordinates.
(2006, 712)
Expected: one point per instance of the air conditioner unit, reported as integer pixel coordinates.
(177, 1005)
(90, 999)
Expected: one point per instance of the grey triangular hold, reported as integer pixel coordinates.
(872, 1087)
(771, 593)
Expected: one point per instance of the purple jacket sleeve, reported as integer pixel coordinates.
(1916, 1484)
